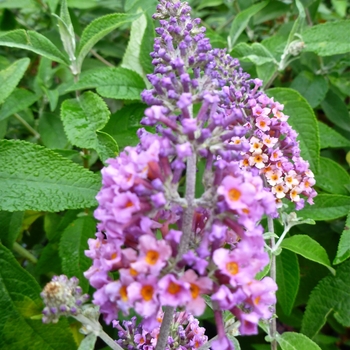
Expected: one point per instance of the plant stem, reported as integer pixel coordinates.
(185, 239)
(273, 326)
(24, 253)
(28, 127)
(101, 59)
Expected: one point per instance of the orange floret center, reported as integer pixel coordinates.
(232, 268)
(234, 194)
(147, 292)
(152, 257)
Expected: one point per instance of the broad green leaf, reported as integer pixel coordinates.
(255, 53)
(303, 121)
(131, 59)
(336, 110)
(332, 177)
(241, 21)
(82, 118)
(327, 39)
(51, 131)
(331, 294)
(147, 47)
(209, 3)
(312, 87)
(33, 41)
(118, 83)
(308, 248)
(10, 227)
(49, 262)
(123, 125)
(340, 7)
(19, 301)
(273, 10)
(10, 77)
(36, 178)
(19, 100)
(296, 341)
(106, 147)
(330, 138)
(343, 251)
(72, 247)
(97, 29)
(327, 207)
(287, 278)
(88, 342)
(3, 128)
(25, 4)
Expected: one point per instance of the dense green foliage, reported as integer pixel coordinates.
(52, 147)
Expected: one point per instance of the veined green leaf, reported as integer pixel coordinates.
(107, 147)
(10, 77)
(331, 294)
(327, 39)
(255, 53)
(287, 278)
(97, 29)
(19, 100)
(72, 246)
(327, 207)
(308, 248)
(332, 177)
(33, 41)
(241, 21)
(296, 341)
(19, 301)
(343, 251)
(303, 121)
(330, 138)
(82, 118)
(11, 224)
(118, 83)
(36, 178)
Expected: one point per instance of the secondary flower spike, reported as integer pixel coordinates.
(170, 243)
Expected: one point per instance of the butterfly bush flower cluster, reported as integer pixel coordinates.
(185, 333)
(167, 237)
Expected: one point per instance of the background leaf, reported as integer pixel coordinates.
(331, 294)
(327, 207)
(72, 246)
(19, 301)
(296, 341)
(303, 121)
(118, 83)
(331, 138)
(10, 224)
(32, 177)
(287, 278)
(343, 251)
(308, 248)
(10, 77)
(327, 39)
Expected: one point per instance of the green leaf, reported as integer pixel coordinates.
(327, 39)
(331, 294)
(147, 47)
(303, 121)
(107, 147)
(336, 110)
(255, 53)
(308, 248)
(26, 4)
(131, 59)
(312, 87)
(51, 131)
(343, 251)
(36, 178)
(72, 247)
(88, 343)
(327, 207)
(123, 125)
(287, 278)
(330, 138)
(241, 21)
(19, 301)
(19, 100)
(97, 29)
(10, 77)
(209, 3)
(118, 83)
(35, 42)
(296, 341)
(332, 177)
(49, 262)
(82, 118)
(11, 224)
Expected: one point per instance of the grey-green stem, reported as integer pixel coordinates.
(273, 326)
(191, 171)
